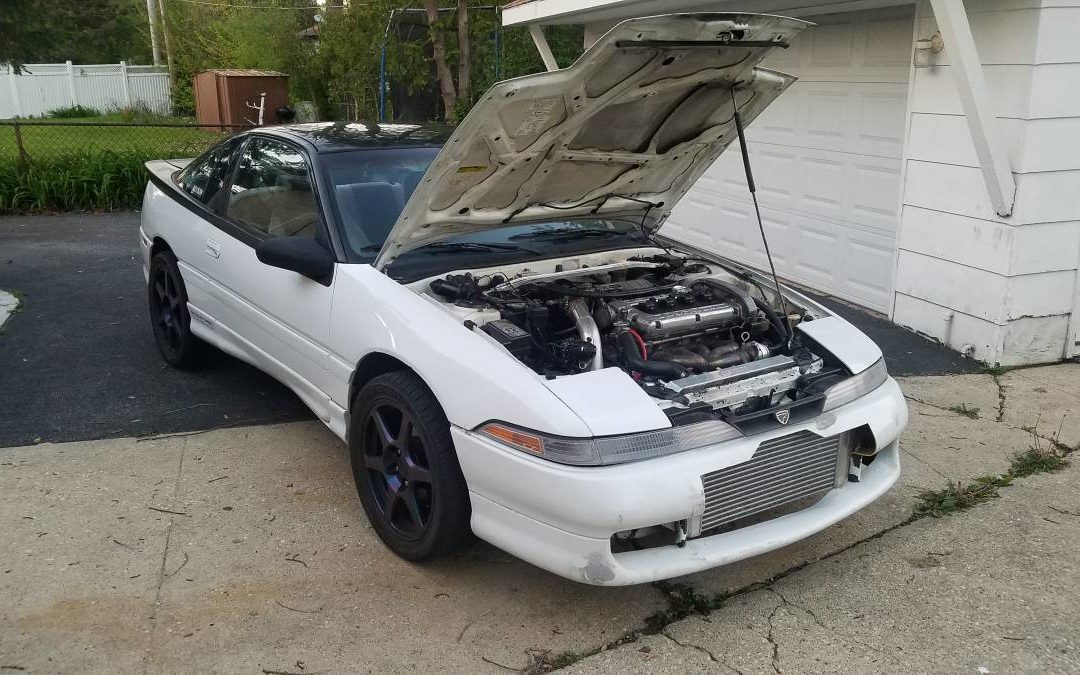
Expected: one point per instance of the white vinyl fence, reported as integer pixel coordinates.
(42, 87)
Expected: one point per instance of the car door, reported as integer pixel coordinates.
(280, 318)
(187, 226)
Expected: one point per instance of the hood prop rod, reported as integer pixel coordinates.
(757, 210)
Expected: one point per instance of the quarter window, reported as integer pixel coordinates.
(271, 191)
(206, 175)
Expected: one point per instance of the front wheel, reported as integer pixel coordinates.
(169, 313)
(406, 470)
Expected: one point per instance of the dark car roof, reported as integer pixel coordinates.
(341, 136)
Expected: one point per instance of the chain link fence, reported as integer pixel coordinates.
(64, 166)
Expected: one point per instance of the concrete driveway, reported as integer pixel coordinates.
(244, 549)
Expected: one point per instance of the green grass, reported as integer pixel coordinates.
(76, 168)
(71, 112)
(47, 139)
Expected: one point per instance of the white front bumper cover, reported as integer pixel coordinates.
(561, 518)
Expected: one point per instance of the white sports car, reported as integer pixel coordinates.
(491, 321)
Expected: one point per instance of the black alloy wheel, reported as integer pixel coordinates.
(406, 469)
(397, 470)
(169, 314)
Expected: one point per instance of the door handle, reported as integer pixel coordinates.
(213, 249)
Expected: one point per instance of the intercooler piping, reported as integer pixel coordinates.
(587, 329)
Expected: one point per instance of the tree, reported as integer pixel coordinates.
(464, 61)
(262, 35)
(87, 31)
(442, 68)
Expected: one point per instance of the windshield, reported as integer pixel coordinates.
(517, 243)
(370, 188)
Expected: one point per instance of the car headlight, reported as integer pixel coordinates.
(856, 386)
(606, 450)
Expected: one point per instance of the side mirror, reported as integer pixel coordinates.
(302, 255)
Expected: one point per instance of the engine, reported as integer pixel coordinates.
(661, 318)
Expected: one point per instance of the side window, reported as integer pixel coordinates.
(271, 190)
(206, 175)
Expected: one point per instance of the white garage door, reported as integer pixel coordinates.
(826, 158)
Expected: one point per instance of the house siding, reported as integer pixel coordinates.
(1000, 288)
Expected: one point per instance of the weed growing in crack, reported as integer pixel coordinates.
(563, 659)
(1038, 460)
(962, 409)
(995, 370)
(957, 497)
(683, 601)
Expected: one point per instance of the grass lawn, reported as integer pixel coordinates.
(90, 164)
(49, 139)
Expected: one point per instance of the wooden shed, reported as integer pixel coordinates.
(231, 97)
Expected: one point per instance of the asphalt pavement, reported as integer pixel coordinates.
(78, 361)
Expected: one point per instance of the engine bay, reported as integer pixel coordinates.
(698, 338)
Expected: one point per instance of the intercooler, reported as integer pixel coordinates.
(781, 471)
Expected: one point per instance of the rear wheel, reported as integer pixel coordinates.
(169, 313)
(406, 470)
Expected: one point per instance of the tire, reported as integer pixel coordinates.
(406, 470)
(169, 313)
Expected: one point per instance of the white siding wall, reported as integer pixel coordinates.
(1004, 286)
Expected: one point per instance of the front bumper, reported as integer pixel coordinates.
(561, 518)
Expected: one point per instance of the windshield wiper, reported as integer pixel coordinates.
(473, 246)
(569, 233)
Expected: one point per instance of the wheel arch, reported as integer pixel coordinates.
(372, 365)
(158, 245)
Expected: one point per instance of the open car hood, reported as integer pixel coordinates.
(625, 130)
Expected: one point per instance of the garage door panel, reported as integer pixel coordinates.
(831, 116)
(779, 124)
(888, 45)
(836, 186)
(783, 189)
(826, 158)
(824, 185)
(830, 47)
(852, 47)
(880, 125)
(716, 224)
(817, 242)
(836, 258)
(826, 115)
(875, 194)
(870, 269)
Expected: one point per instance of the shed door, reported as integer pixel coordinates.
(826, 158)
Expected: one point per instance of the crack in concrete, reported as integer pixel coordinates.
(832, 630)
(1001, 412)
(772, 641)
(922, 461)
(1001, 396)
(161, 576)
(703, 650)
